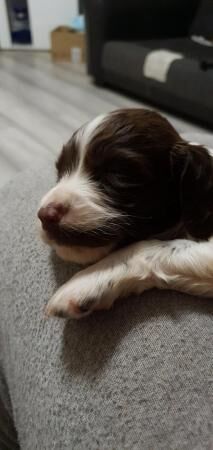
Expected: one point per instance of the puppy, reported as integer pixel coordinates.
(136, 201)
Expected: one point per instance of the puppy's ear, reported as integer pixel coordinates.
(192, 168)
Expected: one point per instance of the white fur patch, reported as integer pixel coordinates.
(86, 133)
(82, 255)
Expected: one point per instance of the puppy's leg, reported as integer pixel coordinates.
(98, 286)
(185, 266)
(180, 264)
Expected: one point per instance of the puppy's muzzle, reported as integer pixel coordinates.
(51, 214)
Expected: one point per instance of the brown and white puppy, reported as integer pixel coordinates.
(123, 179)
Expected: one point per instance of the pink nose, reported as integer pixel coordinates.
(52, 214)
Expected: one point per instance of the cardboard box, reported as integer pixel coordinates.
(68, 45)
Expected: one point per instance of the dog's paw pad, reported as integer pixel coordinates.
(52, 311)
(71, 309)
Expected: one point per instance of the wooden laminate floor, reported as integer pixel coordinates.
(42, 103)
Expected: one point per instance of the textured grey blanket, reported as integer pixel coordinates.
(136, 377)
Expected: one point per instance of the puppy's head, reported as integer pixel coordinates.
(117, 182)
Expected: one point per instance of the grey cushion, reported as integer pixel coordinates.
(136, 377)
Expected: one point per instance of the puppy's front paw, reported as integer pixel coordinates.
(79, 297)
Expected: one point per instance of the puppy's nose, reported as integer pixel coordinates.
(52, 213)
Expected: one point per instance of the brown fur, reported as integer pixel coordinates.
(68, 158)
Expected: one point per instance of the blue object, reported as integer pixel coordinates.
(78, 23)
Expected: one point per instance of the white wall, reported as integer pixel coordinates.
(4, 26)
(44, 16)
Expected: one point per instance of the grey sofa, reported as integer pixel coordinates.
(136, 377)
(145, 48)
